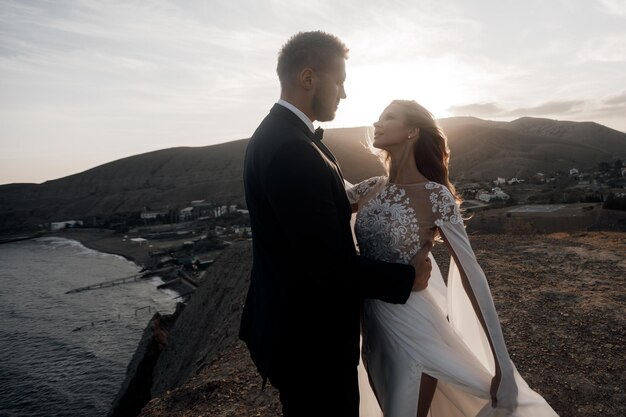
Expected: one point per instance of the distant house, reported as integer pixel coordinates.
(495, 194)
(203, 209)
(218, 211)
(483, 195)
(499, 194)
(623, 171)
(186, 213)
(513, 181)
(152, 214)
(139, 240)
(573, 172)
(500, 181)
(242, 230)
(55, 226)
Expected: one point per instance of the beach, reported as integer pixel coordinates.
(108, 241)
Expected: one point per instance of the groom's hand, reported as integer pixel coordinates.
(422, 266)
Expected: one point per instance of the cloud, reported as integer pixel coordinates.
(615, 7)
(604, 49)
(549, 108)
(476, 109)
(494, 110)
(619, 99)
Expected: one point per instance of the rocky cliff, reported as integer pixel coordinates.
(171, 352)
(135, 390)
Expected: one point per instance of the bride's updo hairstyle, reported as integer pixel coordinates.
(430, 149)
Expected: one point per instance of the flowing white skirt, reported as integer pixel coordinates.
(402, 341)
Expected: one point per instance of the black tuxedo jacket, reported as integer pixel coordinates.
(303, 305)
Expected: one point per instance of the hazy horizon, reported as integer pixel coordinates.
(85, 82)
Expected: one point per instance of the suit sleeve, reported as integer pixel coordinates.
(301, 190)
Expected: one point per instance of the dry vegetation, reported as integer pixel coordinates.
(561, 300)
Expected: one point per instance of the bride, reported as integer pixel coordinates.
(442, 354)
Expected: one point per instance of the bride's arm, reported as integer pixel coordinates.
(351, 195)
(356, 192)
(479, 313)
(475, 285)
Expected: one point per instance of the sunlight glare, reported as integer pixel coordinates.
(433, 82)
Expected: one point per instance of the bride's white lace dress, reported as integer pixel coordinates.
(438, 331)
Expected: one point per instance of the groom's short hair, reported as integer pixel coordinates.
(313, 50)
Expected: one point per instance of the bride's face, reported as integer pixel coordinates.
(390, 129)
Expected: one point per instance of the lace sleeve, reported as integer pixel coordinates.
(444, 205)
(357, 192)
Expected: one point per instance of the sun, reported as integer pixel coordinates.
(435, 83)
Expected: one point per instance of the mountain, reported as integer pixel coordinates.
(480, 149)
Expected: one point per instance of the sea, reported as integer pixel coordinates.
(66, 354)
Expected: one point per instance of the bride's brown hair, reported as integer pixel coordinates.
(430, 149)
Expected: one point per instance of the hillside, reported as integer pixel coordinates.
(173, 177)
(485, 150)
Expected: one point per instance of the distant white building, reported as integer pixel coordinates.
(218, 211)
(500, 181)
(513, 181)
(152, 214)
(55, 226)
(495, 194)
(240, 230)
(499, 194)
(186, 213)
(573, 171)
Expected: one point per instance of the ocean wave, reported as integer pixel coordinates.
(57, 361)
(157, 280)
(62, 242)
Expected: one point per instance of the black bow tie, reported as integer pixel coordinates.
(319, 134)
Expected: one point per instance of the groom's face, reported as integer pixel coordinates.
(329, 90)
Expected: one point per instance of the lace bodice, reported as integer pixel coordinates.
(394, 220)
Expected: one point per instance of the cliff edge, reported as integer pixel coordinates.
(170, 354)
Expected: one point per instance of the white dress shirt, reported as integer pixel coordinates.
(298, 113)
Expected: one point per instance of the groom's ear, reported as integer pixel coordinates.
(306, 78)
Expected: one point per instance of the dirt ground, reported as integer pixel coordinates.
(562, 303)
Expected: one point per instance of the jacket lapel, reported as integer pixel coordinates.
(328, 155)
(288, 115)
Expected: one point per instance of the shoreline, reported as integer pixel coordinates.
(106, 241)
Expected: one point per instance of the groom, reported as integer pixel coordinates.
(301, 316)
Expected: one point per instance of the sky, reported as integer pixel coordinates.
(86, 82)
